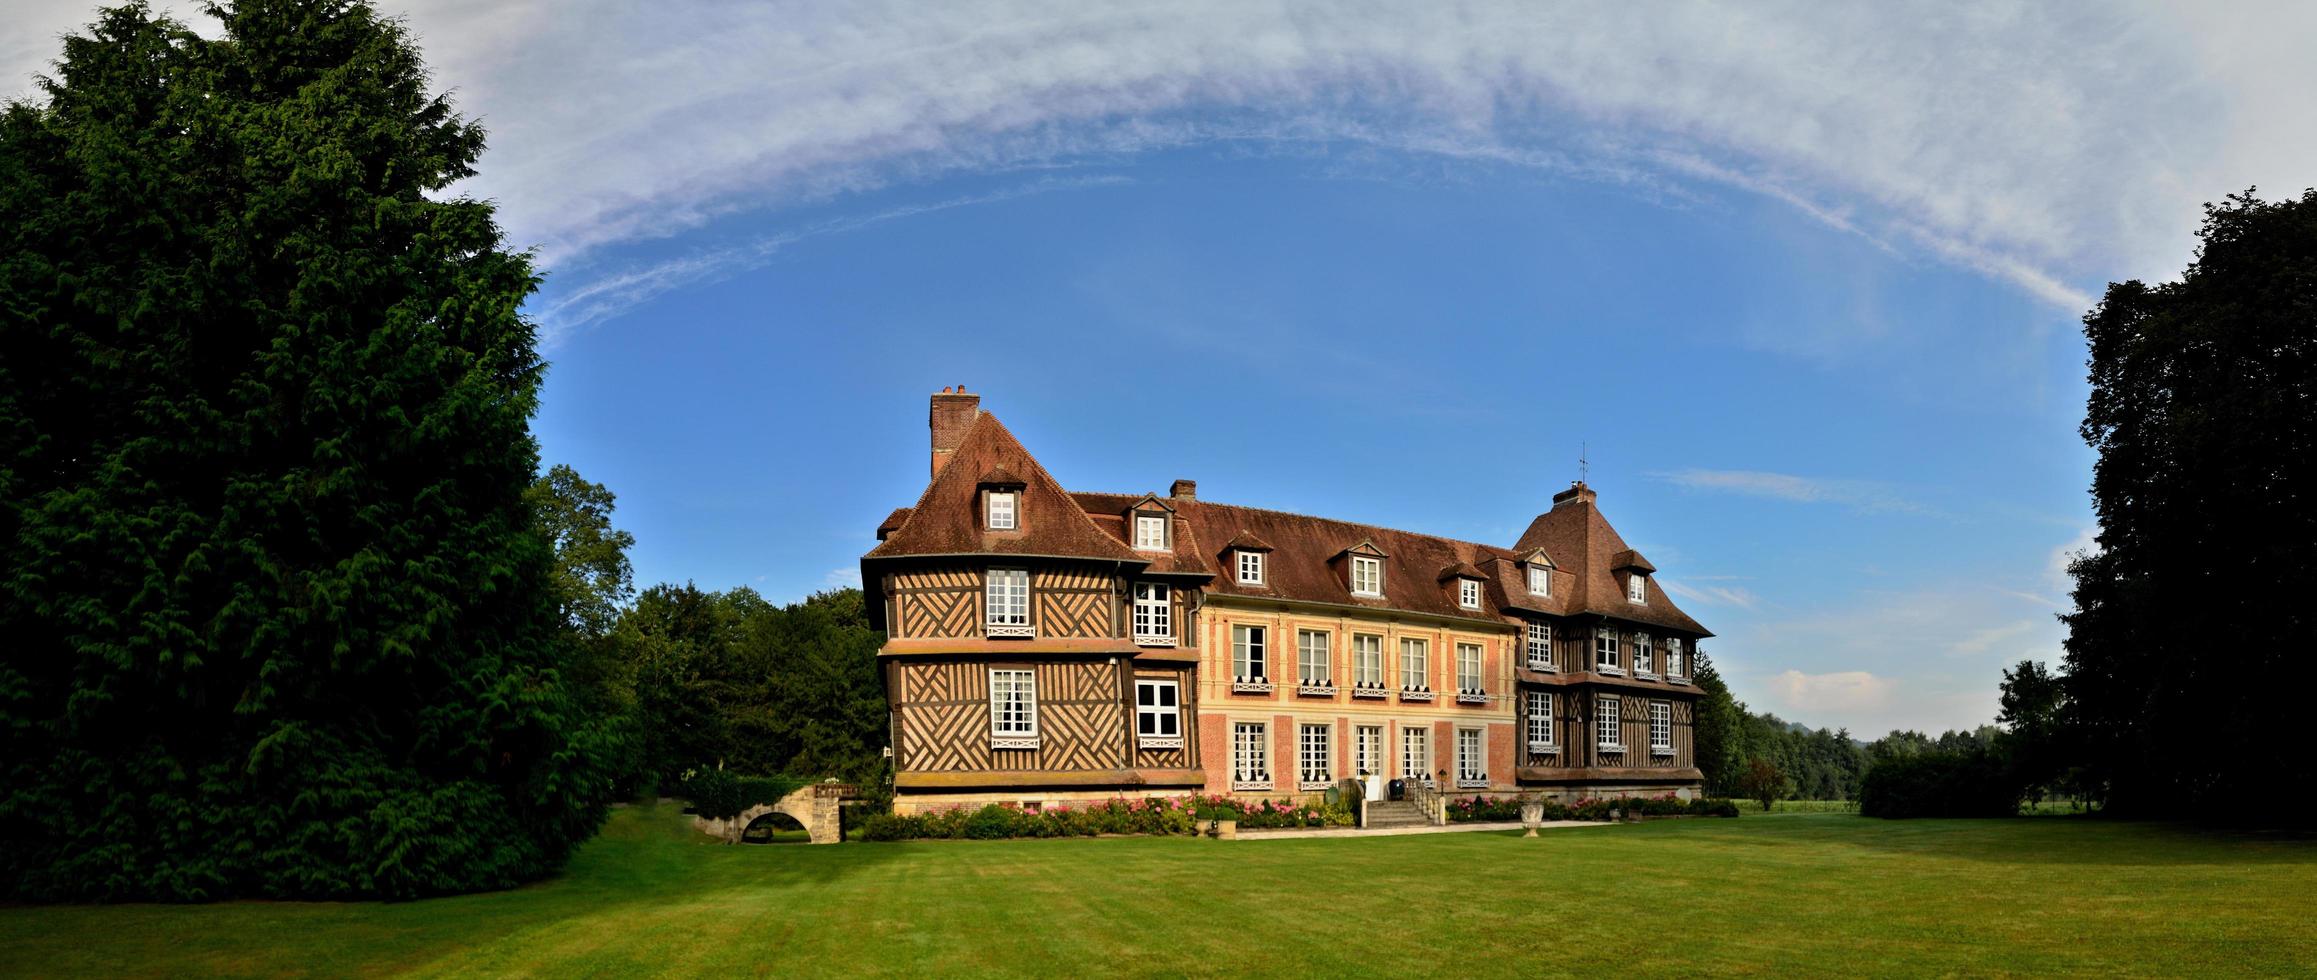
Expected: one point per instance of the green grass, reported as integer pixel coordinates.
(1780, 893)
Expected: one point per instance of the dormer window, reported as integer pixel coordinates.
(1250, 568)
(1150, 532)
(1634, 591)
(1367, 576)
(1540, 580)
(1001, 510)
(1468, 593)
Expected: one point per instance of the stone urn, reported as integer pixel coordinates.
(1616, 815)
(1226, 829)
(1532, 817)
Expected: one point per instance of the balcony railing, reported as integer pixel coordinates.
(1470, 781)
(1544, 748)
(1323, 689)
(1153, 743)
(1370, 691)
(1415, 694)
(1251, 783)
(1008, 630)
(1643, 675)
(1611, 669)
(1472, 697)
(1543, 665)
(1251, 685)
(1154, 639)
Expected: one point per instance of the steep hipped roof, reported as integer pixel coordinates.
(1575, 533)
(947, 518)
(1304, 550)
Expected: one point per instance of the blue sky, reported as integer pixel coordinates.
(1804, 278)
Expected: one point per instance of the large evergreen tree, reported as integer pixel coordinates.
(275, 618)
(2197, 603)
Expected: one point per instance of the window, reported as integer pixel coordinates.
(1368, 749)
(1250, 758)
(1471, 760)
(1367, 576)
(1311, 756)
(1540, 721)
(1416, 753)
(1247, 653)
(1001, 516)
(1660, 728)
(1467, 593)
(1150, 532)
(1605, 652)
(1673, 656)
(1607, 730)
(1633, 587)
(1158, 716)
(1311, 656)
(1367, 661)
(1250, 568)
(1415, 665)
(1468, 668)
(1540, 646)
(1153, 615)
(1644, 656)
(1013, 709)
(1540, 580)
(1006, 611)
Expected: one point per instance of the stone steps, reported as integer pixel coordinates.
(1395, 813)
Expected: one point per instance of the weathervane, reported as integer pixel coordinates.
(1584, 468)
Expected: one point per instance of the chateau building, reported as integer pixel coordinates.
(1044, 645)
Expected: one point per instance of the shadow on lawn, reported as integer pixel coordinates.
(2094, 841)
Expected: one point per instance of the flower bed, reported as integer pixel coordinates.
(1467, 809)
(1158, 815)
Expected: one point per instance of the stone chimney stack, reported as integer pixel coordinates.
(1578, 493)
(953, 412)
(1184, 490)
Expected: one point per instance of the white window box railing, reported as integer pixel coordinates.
(1013, 741)
(1154, 639)
(1661, 750)
(1152, 743)
(1472, 697)
(1605, 747)
(1608, 669)
(1543, 667)
(1251, 685)
(1544, 748)
(1315, 786)
(1677, 678)
(1251, 785)
(995, 629)
(1643, 675)
(1472, 782)
(1407, 694)
(1315, 690)
(1365, 691)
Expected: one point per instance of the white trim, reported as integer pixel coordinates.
(1635, 591)
(1250, 755)
(1153, 615)
(1608, 723)
(1539, 575)
(1605, 642)
(1660, 712)
(1472, 773)
(1467, 593)
(1250, 654)
(1371, 571)
(1415, 663)
(1533, 644)
(1250, 561)
(1154, 523)
(1304, 744)
(1362, 675)
(1305, 662)
(1006, 602)
(1478, 678)
(1540, 707)
(1012, 511)
(1164, 710)
(1013, 690)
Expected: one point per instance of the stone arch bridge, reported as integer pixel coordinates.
(816, 807)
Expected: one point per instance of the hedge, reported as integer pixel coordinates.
(1971, 783)
(1465, 809)
(717, 794)
(1160, 815)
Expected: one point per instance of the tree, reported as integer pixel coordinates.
(1717, 728)
(1762, 781)
(2196, 600)
(2032, 715)
(278, 620)
(592, 576)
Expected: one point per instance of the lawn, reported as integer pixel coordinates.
(1814, 893)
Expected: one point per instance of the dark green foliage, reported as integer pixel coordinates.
(2197, 602)
(1973, 781)
(1718, 728)
(277, 622)
(592, 577)
(1762, 781)
(993, 822)
(717, 794)
(1480, 808)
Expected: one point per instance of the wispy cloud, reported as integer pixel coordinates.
(1860, 495)
(1712, 595)
(1836, 692)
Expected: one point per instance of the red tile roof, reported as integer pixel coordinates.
(947, 519)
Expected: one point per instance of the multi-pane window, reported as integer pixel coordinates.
(1540, 720)
(1368, 749)
(1367, 576)
(1250, 568)
(1608, 731)
(1468, 593)
(1605, 651)
(1001, 517)
(1416, 753)
(1250, 756)
(1415, 665)
(1150, 532)
(1247, 653)
(1311, 755)
(1471, 759)
(1311, 666)
(1661, 727)
(1540, 580)
(1007, 605)
(1673, 656)
(1644, 655)
(1633, 587)
(1540, 646)
(1468, 668)
(1367, 660)
(1153, 614)
(1158, 716)
(1013, 707)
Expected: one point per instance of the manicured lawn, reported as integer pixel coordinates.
(1821, 893)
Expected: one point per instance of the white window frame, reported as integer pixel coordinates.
(1250, 568)
(1660, 728)
(1006, 518)
(1540, 647)
(1006, 603)
(1368, 661)
(1154, 614)
(1635, 592)
(1468, 593)
(1250, 658)
(1605, 659)
(1013, 708)
(1368, 750)
(1540, 722)
(1608, 726)
(1250, 756)
(1416, 752)
(1315, 756)
(1150, 532)
(1471, 758)
(1415, 664)
(1470, 681)
(1675, 669)
(1158, 714)
(1540, 581)
(1644, 656)
(1313, 665)
(1367, 576)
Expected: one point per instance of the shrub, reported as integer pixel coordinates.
(1971, 782)
(717, 794)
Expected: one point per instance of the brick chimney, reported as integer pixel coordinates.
(1184, 490)
(1578, 493)
(953, 412)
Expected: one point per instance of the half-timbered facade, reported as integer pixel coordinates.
(1046, 646)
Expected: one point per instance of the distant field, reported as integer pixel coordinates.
(1779, 893)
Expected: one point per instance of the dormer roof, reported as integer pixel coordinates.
(1000, 477)
(1461, 569)
(1247, 541)
(1632, 559)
